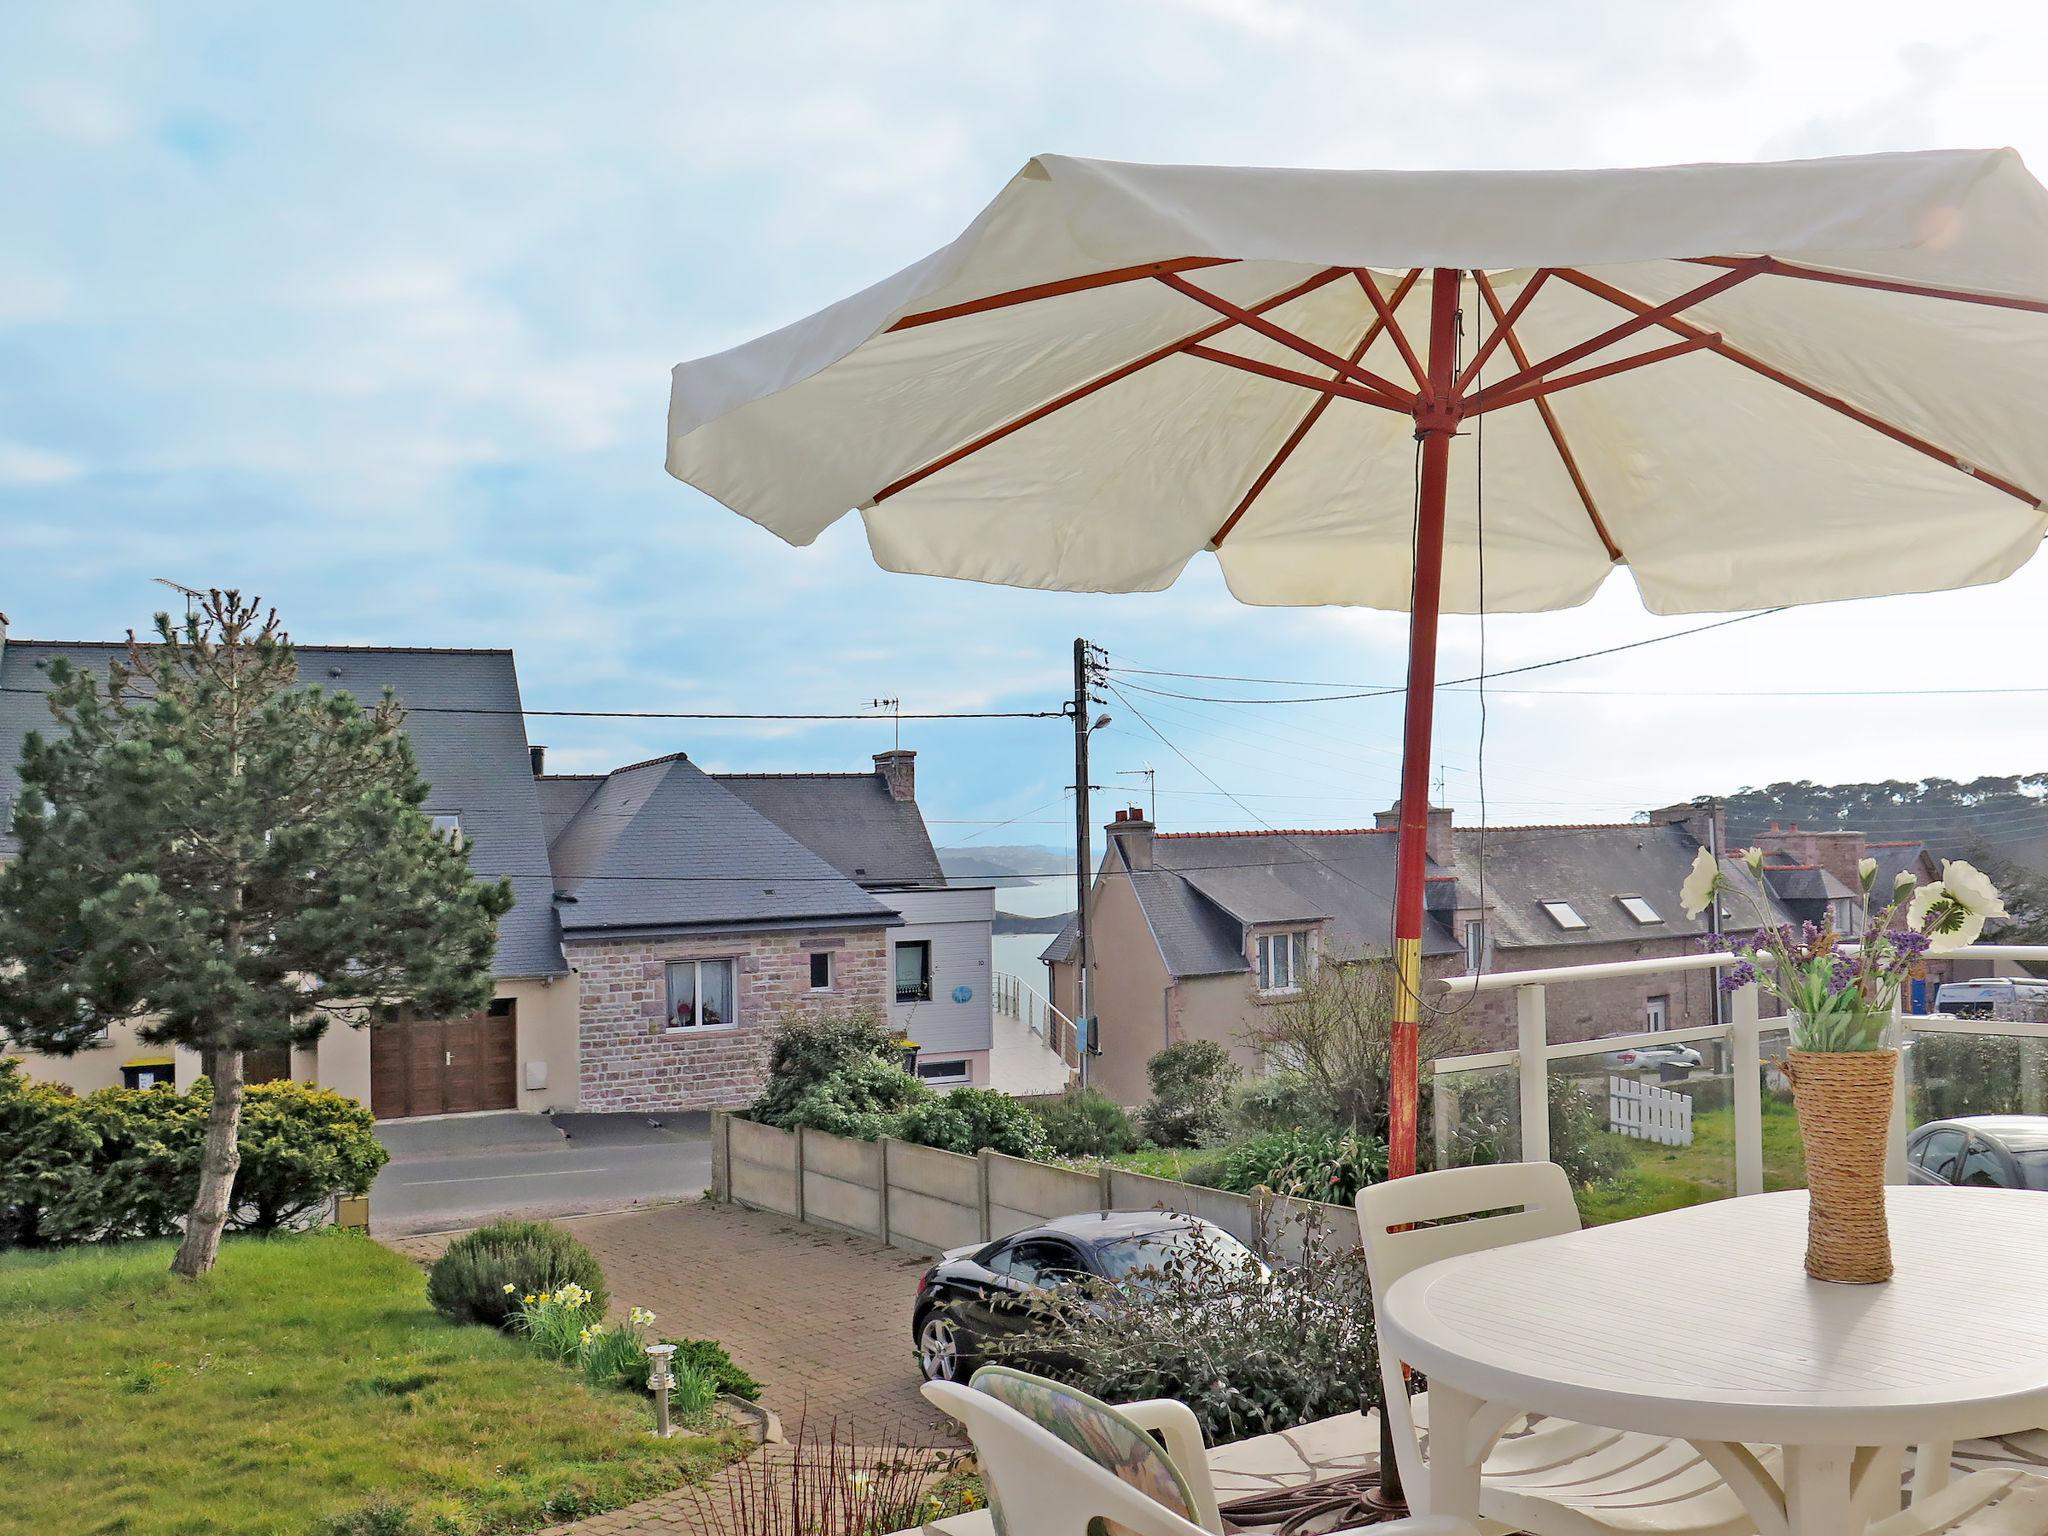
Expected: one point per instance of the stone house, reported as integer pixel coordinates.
(664, 919)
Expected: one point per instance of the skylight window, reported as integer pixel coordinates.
(1563, 914)
(1639, 909)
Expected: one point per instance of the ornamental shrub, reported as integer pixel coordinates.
(484, 1274)
(301, 1146)
(709, 1357)
(840, 1073)
(1087, 1123)
(1486, 1123)
(51, 1147)
(968, 1119)
(1250, 1353)
(1315, 1163)
(1191, 1084)
(1279, 1101)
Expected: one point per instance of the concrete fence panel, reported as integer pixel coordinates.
(1236, 1214)
(1285, 1227)
(762, 1167)
(934, 1198)
(1022, 1193)
(843, 1182)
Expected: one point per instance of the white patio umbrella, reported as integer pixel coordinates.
(1751, 385)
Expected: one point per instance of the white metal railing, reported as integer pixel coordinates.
(1015, 998)
(1743, 1034)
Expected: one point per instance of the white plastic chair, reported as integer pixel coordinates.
(1560, 1478)
(1048, 1488)
(2003, 1501)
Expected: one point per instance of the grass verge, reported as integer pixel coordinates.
(304, 1386)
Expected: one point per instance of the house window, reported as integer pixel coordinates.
(1657, 1014)
(150, 1074)
(447, 826)
(944, 1074)
(821, 970)
(1475, 946)
(1283, 961)
(1563, 914)
(1639, 909)
(914, 971)
(701, 995)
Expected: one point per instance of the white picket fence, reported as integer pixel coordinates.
(1649, 1113)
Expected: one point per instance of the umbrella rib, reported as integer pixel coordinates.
(1504, 330)
(1314, 413)
(1490, 400)
(1392, 325)
(1364, 378)
(1101, 381)
(1342, 388)
(1504, 326)
(1819, 396)
(1056, 288)
(1777, 268)
(1643, 320)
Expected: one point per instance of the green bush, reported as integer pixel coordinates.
(1191, 1086)
(1250, 1355)
(710, 1357)
(1487, 1129)
(1087, 1123)
(1307, 1163)
(840, 1074)
(124, 1162)
(483, 1275)
(968, 1119)
(1279, 1101)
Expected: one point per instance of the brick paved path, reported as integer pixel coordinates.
(821, 1318)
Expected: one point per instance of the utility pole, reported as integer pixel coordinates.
(1086, 671)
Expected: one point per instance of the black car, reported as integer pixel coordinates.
(1981, 1152)
(974, 1298)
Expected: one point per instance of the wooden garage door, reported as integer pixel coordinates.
(445, 1066)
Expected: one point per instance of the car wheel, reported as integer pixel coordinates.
(939, 1349)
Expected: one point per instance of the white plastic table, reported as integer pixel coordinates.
(1702, 1324)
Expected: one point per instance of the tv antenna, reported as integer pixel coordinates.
(895, 708)
(1151, 777)
(191, 594)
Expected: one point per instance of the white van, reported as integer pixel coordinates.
(1976, 999)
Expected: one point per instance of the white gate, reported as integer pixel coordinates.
(1649, 1113)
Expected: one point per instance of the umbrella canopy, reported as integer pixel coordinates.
(1117, 366)
(1750, 384)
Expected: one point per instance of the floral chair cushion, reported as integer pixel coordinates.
(1095, 1429)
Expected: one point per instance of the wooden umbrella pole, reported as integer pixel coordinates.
(1436, 420)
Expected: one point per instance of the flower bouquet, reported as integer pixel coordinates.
(1840, 993)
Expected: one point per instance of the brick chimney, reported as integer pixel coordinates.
(1706, 823)
(899, 771)
(1836, 852)
(1443, 850)
(1132, 834)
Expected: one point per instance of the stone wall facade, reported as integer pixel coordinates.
(631, 1060)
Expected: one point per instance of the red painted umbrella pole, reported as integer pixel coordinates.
(1436, 419)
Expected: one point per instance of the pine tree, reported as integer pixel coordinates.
(233, 860)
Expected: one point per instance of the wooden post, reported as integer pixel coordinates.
(1107, 1178)
(721, 1156)
(1532, 1039)
(1746, 1069)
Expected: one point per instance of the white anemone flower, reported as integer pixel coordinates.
(1944, 916)
(1754, 858)
(1972, 887)
(1701, 881)
(1866, 872)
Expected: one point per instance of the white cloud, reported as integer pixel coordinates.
(23, 465)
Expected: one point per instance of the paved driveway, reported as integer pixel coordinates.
(462, 1170)
(821, 1318)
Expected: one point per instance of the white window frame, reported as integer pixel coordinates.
(1570, 922)
(1657, 1013)
(815, 956)
(931, 965)
(1290, 945)
(697, 964)
(961, 1075)
(446, 824)
(1475, 946)
(1630, 904)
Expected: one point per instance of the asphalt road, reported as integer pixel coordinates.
(463, 1170)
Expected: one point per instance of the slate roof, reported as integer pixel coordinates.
(1061, 950)
(562, 795)
(1894, 859)
(477, 762)
(850, 820)
(1205, 888)
(663, 846)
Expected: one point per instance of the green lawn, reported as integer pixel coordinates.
(1665, 1178)
(1163, 1162)
(304, 1382)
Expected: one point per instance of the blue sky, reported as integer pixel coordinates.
(370, 310)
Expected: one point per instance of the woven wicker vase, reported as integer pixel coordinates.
(1845, 1107)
